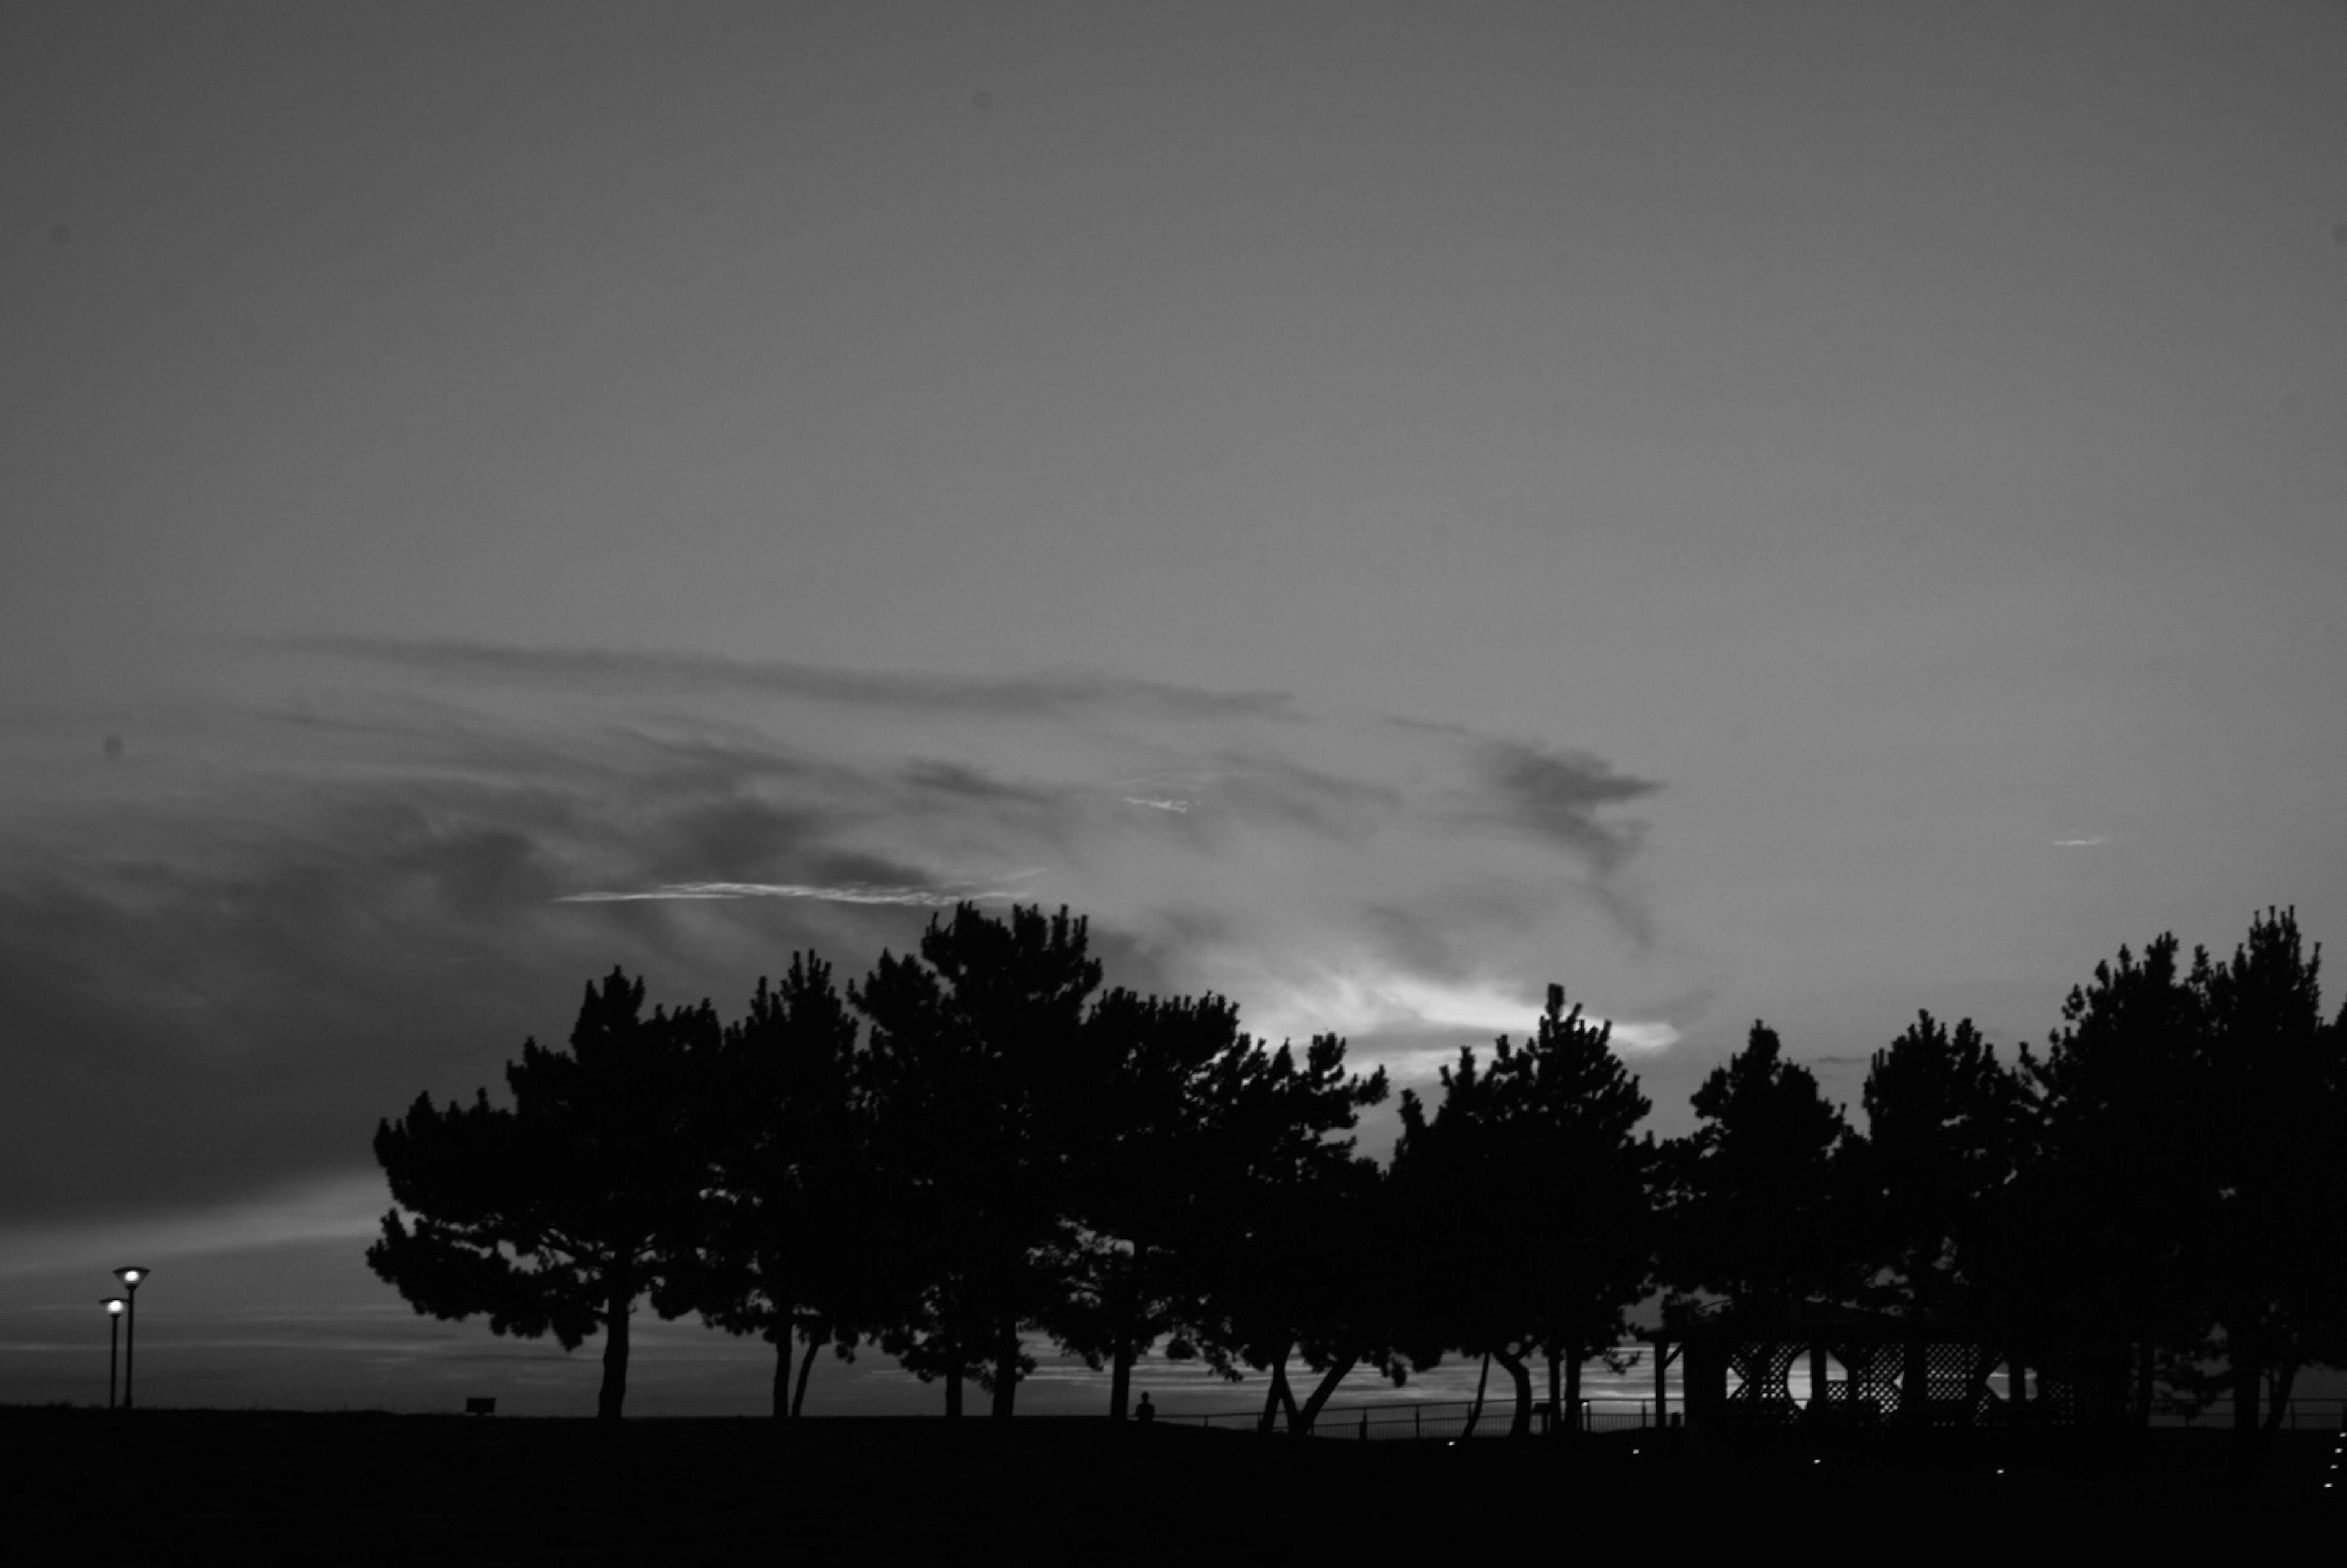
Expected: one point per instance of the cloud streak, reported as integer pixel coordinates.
(658, 674)
(919, 897)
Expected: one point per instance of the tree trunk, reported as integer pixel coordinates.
(2280, 1379)
(2143, 1385)
(949, 1330)
(807, 1365)
(2249, 1381)
(1521, 1424)
(615, 1356)
(1006, 1367)
(1570, 1411)
(1127, 1330)
(1280, 1396)
(1119, 1381)
(1556, 1427)
(782, 1341)
(1483, 1381)
(1339, 1370)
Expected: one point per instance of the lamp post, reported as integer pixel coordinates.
(130, 1275)
(113, 1305)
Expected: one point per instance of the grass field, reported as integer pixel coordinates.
(263, 1486)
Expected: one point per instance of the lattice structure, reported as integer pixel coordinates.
(1765, 1396)
(1870, 1391)
(1912, 1372)
(1955, 1391)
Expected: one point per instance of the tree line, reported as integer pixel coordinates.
(976, 1141)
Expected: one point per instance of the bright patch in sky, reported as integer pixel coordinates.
(1361, 1002)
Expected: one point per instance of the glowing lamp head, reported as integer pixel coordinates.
(132, 1274)
(113, 1305)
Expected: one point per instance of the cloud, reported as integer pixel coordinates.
(341, 1206)
(301, 900)
(1558, 795)
(2080, 843)
(672, 674)
(924, 897)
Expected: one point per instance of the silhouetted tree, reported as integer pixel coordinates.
(1297, 1253)
(1138, 1111)
(1455, 1174)
(1943, 1141)
(1530, 1213)
(2117, 1183)
(1757, 1210)
(557, 1214)
(966, 1064)
(787, 1249)
(2268, 1101)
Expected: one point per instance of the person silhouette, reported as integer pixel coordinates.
(1146, 1411)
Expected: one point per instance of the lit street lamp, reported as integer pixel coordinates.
(113, 1305)
(130, 1275)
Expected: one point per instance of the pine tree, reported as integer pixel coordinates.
(965, 1067)
(788, 1250)
(554, 1216)
(1527, 1190)
(1757, 1210)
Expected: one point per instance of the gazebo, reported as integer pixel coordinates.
(1865, 1369)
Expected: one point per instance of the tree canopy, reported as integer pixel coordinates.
(556, 1215)
(1000, 1147)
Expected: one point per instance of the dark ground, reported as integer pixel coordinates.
(260, 1486)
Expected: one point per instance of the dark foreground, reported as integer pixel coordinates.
(362, 1488)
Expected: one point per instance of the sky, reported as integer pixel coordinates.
(1804, 512)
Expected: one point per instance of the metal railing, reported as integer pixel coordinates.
(2302, 1414)
(1426, 1420)
(1448, 1421)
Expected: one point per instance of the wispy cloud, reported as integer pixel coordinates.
(338, 1206)
(654, 673)
(923, 898)
(2080, 843)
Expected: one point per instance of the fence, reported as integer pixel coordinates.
(1426, 1420)
(1448, 1421)
(2301, 1415)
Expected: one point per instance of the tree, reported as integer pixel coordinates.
(969, 1046)
(1528, 1195)
(555, 1216)
(1943, 1127)
(2269, 1118)
(1138, 1112)
(1293, 1251)
(1757, 1213)
(2116, 1182)
(786, 1251)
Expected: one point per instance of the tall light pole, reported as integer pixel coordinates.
(130, 1275)
(113, 1305)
